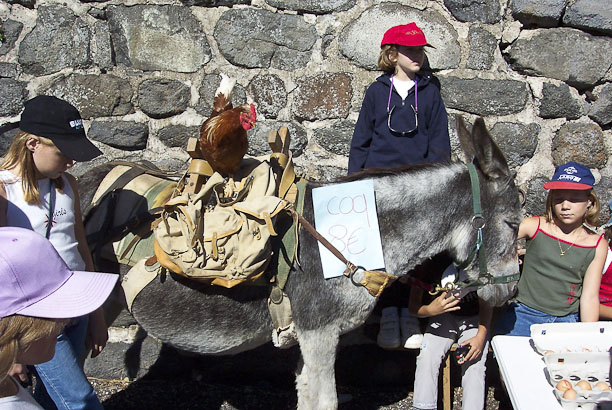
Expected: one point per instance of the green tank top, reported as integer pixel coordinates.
(549, 282)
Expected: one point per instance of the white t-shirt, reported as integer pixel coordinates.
(402, 87)
(36, 216)
(21, 401)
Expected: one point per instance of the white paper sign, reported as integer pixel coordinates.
(345, 214)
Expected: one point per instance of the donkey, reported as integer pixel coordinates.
(422, 211)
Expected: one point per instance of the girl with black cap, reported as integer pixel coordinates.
(36, 193)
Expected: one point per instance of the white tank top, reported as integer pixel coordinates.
(36, 216)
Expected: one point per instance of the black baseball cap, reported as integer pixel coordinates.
(58, 120)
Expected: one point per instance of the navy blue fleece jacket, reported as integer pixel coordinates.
(374, 145)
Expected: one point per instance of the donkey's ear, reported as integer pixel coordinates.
(465, 138)
(490, 158)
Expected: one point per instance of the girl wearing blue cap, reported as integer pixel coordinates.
(36, 193)
(564, 257)
(402, 121)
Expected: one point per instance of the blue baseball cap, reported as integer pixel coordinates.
(571, 175)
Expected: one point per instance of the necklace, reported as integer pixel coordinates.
(561, 251)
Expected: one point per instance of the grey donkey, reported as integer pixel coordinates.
(422, 211)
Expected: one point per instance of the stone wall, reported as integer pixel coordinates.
(143, 73)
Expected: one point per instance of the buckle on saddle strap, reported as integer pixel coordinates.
(376, 281)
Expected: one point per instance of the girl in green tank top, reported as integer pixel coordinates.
(564, 258)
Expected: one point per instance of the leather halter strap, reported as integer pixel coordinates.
(478, 223)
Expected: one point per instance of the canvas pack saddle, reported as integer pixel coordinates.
(216, 230)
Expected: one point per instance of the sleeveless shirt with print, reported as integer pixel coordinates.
(549, 282)
(36, 216)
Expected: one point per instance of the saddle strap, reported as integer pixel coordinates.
(350, 267)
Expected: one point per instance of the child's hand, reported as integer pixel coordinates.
(476, 343)
(443, 304)
(97, 332)
(20, 372)
(521, 252)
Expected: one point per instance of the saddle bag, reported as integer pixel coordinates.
(221, 234)
(124, 207)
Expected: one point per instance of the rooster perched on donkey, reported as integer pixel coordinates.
(223, 138)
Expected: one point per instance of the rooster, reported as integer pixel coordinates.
(223, 138)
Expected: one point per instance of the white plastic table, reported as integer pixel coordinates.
(523, 371)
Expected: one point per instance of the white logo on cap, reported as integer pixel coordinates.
(570, 170)
(570, 178)
(77, 124)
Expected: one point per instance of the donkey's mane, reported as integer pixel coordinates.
(379, 172)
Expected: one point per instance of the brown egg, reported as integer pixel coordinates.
(549, 351)
(564, 385)
(570, 394)
(603, 386)
(584, 385)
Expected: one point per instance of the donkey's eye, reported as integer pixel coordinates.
(513, 225)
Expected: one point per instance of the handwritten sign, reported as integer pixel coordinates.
(345, 214)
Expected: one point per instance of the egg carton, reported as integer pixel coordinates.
(577, 368)
(572, 337)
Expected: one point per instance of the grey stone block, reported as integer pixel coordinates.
(259, 38)
(566, 54)
(153, 38)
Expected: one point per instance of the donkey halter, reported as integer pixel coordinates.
(478, 223)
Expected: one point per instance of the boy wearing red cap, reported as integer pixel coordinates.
(402, 121)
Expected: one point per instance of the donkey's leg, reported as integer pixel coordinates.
(301, 384)
(318, 349)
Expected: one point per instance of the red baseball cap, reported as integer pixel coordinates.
(405, 35)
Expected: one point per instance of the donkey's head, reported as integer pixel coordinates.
(500, 211)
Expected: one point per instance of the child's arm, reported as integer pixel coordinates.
(439, 305)
(528, 227)
(362, 136)
(3, 205)
(484, 322)
(439, 140)
(97, 329)
(589, 300)
(605, 312)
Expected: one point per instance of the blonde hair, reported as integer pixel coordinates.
(19, 156)
(591, 216)
(387, 58)
(18, 332)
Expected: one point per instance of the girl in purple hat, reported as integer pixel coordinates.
(564, 256)
(36, 193)
(402, 121)
(39, 294)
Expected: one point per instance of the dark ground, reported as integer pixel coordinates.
(263, 379)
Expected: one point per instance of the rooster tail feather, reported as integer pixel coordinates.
(221, 101)
(226, 86)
